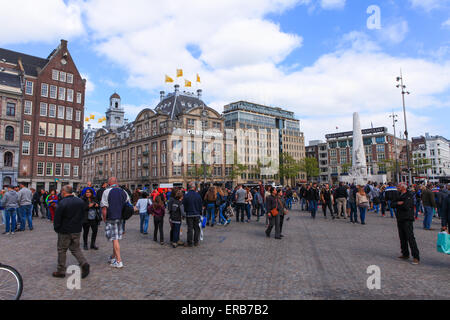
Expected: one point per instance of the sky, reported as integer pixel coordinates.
(321, 59)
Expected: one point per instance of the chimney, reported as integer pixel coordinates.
(161, 95)
(199, 94)
(177, 89)
(63, 44)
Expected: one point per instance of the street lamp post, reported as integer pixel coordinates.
(403, 88)
(394, 120)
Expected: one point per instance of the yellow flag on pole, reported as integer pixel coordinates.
(179, 73)
(198, 78)
(92, 117)
(87, 119)
(100, 120)
(187, 83)
(168, 79)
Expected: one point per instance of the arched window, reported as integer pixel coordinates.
(8, 159)
(117, 104)
(9, 133)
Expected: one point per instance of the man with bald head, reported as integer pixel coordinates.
(405, 219)
(68, 223)
(113, 201)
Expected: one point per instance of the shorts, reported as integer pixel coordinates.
(114, 230)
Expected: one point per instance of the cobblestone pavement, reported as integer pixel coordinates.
(317, 259)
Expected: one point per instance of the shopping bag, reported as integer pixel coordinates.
(201, 230)
(204, 220)
(443, 242)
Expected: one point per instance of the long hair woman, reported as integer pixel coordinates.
(362, 202)
(91, 219)
(210, 199)
(157, 210)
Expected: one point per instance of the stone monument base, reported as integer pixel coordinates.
(358, 180)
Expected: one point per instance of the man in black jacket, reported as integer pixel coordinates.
(446, 212)
(405, 219)
(68, 222)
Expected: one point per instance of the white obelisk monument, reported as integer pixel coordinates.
(359, 165)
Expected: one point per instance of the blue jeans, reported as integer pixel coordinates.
(419, 208)
(391, 210)
(376, 208)
(303, 201)
(428, 217)
(289, 203)
(210, 209)
(10, 215)
(221, 216)
(313, 207)
(175, 232)
(353, 212)
(144, 221)
(362, 214)
(25, 214)
(248, 208)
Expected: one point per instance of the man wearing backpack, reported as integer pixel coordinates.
(114, 199)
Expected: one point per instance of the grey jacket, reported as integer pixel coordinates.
(25, 197)
(240, 196)
(10, 200)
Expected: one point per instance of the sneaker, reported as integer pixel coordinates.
(111, 260)
(402, 257)
(174, 245)
(415, 261)
(117, 264)
(58, 274)
(11, 233)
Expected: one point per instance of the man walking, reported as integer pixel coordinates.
(405, 220)
(25, 197)
(240, 203)
(10, 202)
(113, 201)
(327, 201)
(67, 223)
(428, 203)
(193, 204)
(341, 199)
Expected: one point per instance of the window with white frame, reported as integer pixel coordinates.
(41, 148)
(40, 168)
(26, 127)
(43, 109)
(29, 88)
(68, 132)
(49, 170)
(53, 92)
(25, 147)
(62, 76)
(67, 150)
(50, 149)
(58, 168)
(51, 129)
(75, 171)
(76, 152)
(52, 110)
(77, 134)
(60, 112)
(70, 95)
(77, 115)
(60, 131)
(44, 90)
(78, 97)
(62, 93)
(55, 74)
(66, 169)
(69, 113)
(69, 78)
(42, 129)
(59, 150)
(28, 107)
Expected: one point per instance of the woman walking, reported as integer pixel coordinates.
(362, 202)
(176, 212)
(52, 200)
(224, 194)
(274, 207)
(91, 219)
(210, 200)
(157, 210)
(248, 203)
(142, 206)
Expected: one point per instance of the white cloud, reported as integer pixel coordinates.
(394, 33)
(90, 85)
(429, 5)
(47, 21)
(332, 4)
(446, 24)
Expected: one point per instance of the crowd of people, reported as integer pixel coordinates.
(75, 214)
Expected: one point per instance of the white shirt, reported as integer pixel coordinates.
(141, 205)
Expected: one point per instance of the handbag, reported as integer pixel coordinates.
(274, 212)
(443, 242)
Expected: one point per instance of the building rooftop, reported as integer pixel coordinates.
(10, 80)
(177, 103)
(31, 64)
(258, 108)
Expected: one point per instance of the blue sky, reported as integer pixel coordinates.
(314, 57)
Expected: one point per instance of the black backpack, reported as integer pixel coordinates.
(127, 211)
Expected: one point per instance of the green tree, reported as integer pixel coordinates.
(289, 168)
(237, 168)
(420, 166)
(310, 166)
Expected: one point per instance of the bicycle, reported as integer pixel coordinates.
(11, 283)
